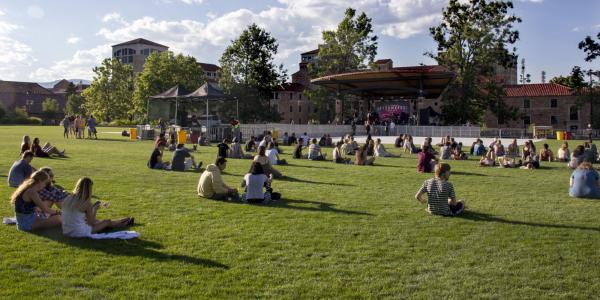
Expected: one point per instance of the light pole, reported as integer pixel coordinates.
(590, 73)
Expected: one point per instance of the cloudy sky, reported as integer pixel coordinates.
(48, 40)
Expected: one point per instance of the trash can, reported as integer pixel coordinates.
(181, 136)
(560, 135)
(133, 134)
(568, 136)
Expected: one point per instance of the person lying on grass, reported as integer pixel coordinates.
(52, 194)
(254, 182)
(584, 182)
(21, 169)
(211, 183)
(441, 199)
(488, 160)
(156, 158)
(30, 211)
(46, 151)
(79, 214)
(262, 158)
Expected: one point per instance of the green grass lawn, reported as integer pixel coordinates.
(340, 231)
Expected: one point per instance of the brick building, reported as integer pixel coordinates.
(136, 51)
(211, 71)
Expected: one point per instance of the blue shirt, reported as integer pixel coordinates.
(19, 171)
(585, 184)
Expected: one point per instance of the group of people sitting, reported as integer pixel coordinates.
(37, 193)
(47, 150)
(510, 157)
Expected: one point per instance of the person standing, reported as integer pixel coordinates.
(91, 124)
(66, 124)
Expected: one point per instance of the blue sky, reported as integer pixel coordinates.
(48, 40)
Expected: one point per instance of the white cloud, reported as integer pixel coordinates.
(73, 40)
(2, 13)
(35, 12)
(192, 1)
(14, 54)
(113, 17)
(78, 66)
(576, 29)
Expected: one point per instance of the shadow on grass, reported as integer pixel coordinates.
(114, 140)
(310, 167)
(292, 179)
(468, 173)
(483, 217)
(320, 206)
(133, 247)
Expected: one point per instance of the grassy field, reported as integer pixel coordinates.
(340, 231)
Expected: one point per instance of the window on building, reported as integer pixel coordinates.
(573, 113)
(299, 108)
(553, 120)
(526, 103)
(291, 108)
(276, 95)
(553, 103)
(527, 120)
(291, 96)
(145, 51)
(299, 121)
(299, 96)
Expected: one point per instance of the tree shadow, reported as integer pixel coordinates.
(133, 247)
(310, 167)
(483, 217)
(319, 206)
(292, 179)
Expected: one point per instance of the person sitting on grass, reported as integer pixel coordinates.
(79, 218)
(223, 149)
(478, 148)
(408, 144)
(425, 160)
(298, 149)
(182, 160)
(441, 199)
(510, 162)
(156, 158)
(262, 158)
(513, 149)
(531, 162)
(251, 145)
(273, 154)
(399, 141)
(45, 151)
(546, 154)
(51, 193)
(314, 151)
(254, 182)
(236, 150)
(577, 157)
(361, 157)
(160, 140)
(499, 150)
(337, 155)
(348, 148)
(30, 211)
(563, 154)
(458, 154)
(26, 144)
(584, 182)
(488, 160)
(591, 152)
(21, 169)
(446, 151)
(211, 183)
(380, 150)
(202, 140)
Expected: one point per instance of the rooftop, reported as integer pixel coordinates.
(209, 67)
(537, 90)
(316, 51)
(140, 41)
(291, 87)
(22, 88)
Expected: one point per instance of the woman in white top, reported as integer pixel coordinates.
(563, 154)
(380, 150)
(79, 214)
(273, 155)
(338, 156)
(258, 186)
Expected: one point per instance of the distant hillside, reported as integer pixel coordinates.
(51, 84)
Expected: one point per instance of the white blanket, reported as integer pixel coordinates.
(123, 235)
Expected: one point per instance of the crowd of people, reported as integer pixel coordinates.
(75, 126)
(40, 203)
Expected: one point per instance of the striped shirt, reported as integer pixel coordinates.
(438, 192)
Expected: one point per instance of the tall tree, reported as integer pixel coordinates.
(473, 40)
(71, 90)
(590, 47)
(575, 80)
(75, 104)
(352, 46)
(50, 108)
(162, 71)
(248, 71)
(109, 96)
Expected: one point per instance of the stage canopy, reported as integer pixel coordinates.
(208, 92)
(409, 82)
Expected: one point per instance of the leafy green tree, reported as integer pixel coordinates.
(71, 90)
(575, 80)
(161, 72)
(473, 40)
(75, 104)
(590, 47)
(248, 71)
(110, 94)
(352, 46)
(50, 108)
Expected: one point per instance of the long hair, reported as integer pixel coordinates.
(256, 168)
(261, 151)
(26, 140)
(36, 178)
(82, 192)
(36, 141)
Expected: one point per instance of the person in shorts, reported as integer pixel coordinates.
(441, 199)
